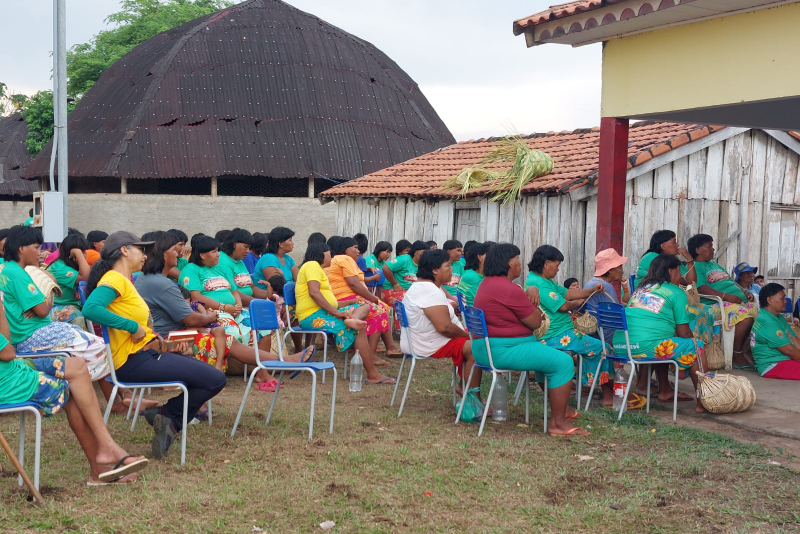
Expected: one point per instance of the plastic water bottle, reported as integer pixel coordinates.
(500, 400)
(356, 372)
(620, 385)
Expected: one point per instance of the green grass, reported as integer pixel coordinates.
(373, 473)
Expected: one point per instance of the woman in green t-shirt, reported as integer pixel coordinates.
(475, 255)
(557, 301)
(777, 348)
(740, 310)
(658, 325)
(456, 251)
(70, 268)
(401, 272)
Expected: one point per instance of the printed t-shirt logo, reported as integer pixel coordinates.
(716, 276)
(647, 301)
(454, 280)
(185, 281)
(553, 295)
(70, 274)
(32, 288)
(216, 283)
(410, 278)
(242, 280)
(779, 333)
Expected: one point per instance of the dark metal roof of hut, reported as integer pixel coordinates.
(260, 89)
(14, 157)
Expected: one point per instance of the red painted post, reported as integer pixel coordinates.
(611, 183)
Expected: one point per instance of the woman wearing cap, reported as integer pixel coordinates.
(140, 355)
(557, 301)
(658, 325)
(740, 310)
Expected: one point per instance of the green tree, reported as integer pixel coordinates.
(9, 103)
(38, 114)
(138, 21)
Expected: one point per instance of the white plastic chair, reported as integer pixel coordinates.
(22, 408)
(263, 316)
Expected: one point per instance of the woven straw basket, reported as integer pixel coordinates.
(725, 393)
(692, 295)
(714, 354)
(44, 281)
(586, 323)
(544, 327)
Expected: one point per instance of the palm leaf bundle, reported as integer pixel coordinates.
(468, 179)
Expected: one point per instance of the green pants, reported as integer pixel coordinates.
(526, 354)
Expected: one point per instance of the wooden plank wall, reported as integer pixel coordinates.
(729, 186)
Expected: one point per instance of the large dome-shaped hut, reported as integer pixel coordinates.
(256, 100)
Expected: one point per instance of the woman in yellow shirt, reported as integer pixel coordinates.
(139, 354)
(318, 309)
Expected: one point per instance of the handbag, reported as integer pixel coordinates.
(544, 327)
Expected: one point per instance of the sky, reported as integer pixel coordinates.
(479, 77)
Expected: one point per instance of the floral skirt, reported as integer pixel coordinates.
(205, 349)
(736, 313)
(390, 296)
(322, 320)
(67, 313)
(378, 318)
(701, 322)
(66, 337)
(589, 348)
(683, 350)
(52, 392)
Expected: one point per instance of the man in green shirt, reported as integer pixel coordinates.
(777, 349)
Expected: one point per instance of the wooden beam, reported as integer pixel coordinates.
(586, 192)
(612, 171)
(785, 139)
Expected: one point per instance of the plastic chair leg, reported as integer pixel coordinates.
(408, 384)
(138, 408)
(274, 398)
(675, 393)
(464, 396)
(546, 399)
(184, 430)
(488, 402)
(333, 400)
(130, 406)
(110, 403)
(398, 379)
(527, 398)
(523, 377)
(313, 399)
(625, 398)
(579, 389)
(594, 382)
(21, 455)
(244, 400)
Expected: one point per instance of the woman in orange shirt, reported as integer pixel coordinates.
(96, 239)
(347, 284)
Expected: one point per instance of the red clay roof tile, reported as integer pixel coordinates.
(575, 154)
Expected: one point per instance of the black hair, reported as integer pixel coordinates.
(277, 282)
(761, 276)
(75, 231)
(569, 281)
(469, 244)
(20, 236)
(221, 236)
(94, 236)
(200, 245)
(4, 233)
(363, 242)
(317, 237)
(431, 260)
(70, 242)
(185, 292)
(450, 244)
(162, 241)
(400, 246)
(316, 252)
(179, 234)
(658, 273)
(341, 245)
(381, 246)
(278, 235)
(542, 255)
(418, 245)
(768, 291)
(697, 241)
(496, 262)
(471, 256)
(432, 243)
(108, 257)
(658, 239)
(195, 238)
(237, 235)
(259, 243)
(333, 243)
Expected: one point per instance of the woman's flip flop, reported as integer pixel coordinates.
(386, 381)
(122, 469)
(268, 386)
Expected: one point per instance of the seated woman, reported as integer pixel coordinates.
(70, 268)
(557, 301)
(658, 325)
(511, 320)
(3, 237)
(347, 283)
(375, 261)
(139, 355)
(317, 237)
(318, 309)
(473, 270)
(56, 383)
(32, 329)
(712, 279)
(401, 272)
(170, 312)
(607, 270)
(183, 250)
(96, 240)
(745, 274)
(436, 331)
(276, 259)
(456, 251)
(208, 283)
(777, 349)
(256, 251)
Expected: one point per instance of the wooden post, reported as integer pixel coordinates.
(123, 185)
(311, 187)
(611, 183)
(213, 186)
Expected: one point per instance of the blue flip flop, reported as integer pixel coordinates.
(313, 350)
(389, 381)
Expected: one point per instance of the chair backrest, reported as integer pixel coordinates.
(462, 301)
(476, 326)
(376, 283)
(109, 356)
(264, 316)
(632, 282)
(400, 313)
(82, 292)
(288, 294)
(788, 307)
(612, 315)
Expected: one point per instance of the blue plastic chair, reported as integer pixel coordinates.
(264, 316)
(788, 308)
(476, 324)
(22, 408)
(400, 311)
(375, 284)
(612, 315)
(631, 282)
(289, 299)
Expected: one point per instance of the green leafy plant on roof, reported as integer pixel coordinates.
(504, 185)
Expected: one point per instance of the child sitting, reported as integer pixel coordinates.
(202, 348)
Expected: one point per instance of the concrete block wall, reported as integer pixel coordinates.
(190, 213)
